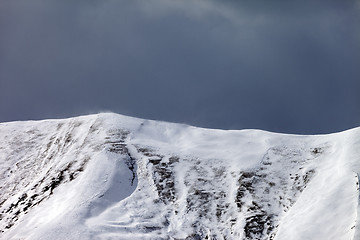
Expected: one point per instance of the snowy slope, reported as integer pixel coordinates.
(108, 176)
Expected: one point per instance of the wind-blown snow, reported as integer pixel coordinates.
(108, 176)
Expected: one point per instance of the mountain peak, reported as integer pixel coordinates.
(108, 176)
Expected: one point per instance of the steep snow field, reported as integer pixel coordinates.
(108, 176)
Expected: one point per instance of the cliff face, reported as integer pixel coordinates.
(108, 176)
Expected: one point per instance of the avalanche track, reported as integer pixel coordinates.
(107, 176)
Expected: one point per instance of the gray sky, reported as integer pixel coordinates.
(287, 66)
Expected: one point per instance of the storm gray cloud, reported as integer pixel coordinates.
(288, 66)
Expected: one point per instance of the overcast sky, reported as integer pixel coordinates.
(285, 66)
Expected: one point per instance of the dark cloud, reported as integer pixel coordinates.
(289, 66)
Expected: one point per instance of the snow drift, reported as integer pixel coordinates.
(108, 176)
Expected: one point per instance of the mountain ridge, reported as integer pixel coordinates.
(108, 176)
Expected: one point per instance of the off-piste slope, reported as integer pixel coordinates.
(108, 176)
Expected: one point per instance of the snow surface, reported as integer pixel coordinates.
(107, 176)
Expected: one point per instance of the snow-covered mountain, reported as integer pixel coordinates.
(108, 176)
